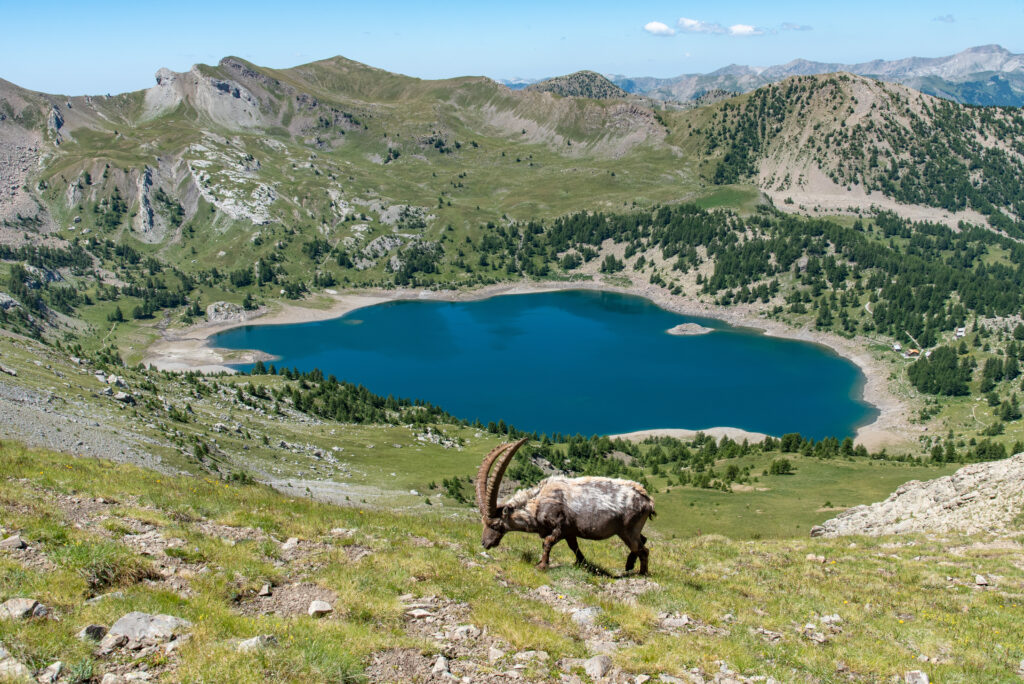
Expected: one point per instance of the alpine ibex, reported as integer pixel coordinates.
(562, 508)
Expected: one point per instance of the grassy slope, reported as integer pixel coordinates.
(894, 599)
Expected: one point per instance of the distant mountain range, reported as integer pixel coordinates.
(985, 75)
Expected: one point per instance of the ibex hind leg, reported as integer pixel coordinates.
(575, 547)
(635, 545)
(644, 553)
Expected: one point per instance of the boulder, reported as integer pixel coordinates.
(138, 626)
(18, 608)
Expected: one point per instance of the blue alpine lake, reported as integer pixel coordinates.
(575, 361)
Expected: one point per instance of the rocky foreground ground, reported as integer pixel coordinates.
(110, 573)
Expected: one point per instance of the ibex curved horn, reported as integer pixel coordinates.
(503, 458)
(481, 478)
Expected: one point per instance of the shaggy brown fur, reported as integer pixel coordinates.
(564, 508)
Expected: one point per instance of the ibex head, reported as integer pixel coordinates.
(495, 520)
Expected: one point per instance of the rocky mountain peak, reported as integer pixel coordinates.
(588, 84)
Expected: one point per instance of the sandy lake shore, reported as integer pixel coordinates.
(189, 349)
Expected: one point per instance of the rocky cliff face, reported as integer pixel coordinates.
(981, 497)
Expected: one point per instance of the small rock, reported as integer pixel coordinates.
(13, 542)
(51, 673)
(524, 656)
(674, 622)
(440, 665)
(111, 642)
(598, 666)
(112, 678)
(138, 626)
(981, 581)
(172, 646)
(494, 654)
(641, 679)
(915, 677)
(18, 608)
(319, 609)
(14, 671)
(585, 616)
(102, 597)
(292, 543)
(257, 643)
(599, 646)
(418, 613)
(92, 632)
(264, 590)
(463, 632)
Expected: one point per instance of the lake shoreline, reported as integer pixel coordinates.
(189, 348)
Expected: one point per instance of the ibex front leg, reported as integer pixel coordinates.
(549, 541)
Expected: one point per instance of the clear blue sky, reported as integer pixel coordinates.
(99, 47)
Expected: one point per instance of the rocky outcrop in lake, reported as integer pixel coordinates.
(689, 329)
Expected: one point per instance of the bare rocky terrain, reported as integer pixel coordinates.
(978, 498)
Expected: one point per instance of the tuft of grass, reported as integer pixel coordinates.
(102, 564)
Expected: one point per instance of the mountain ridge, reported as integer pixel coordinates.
(982, 75)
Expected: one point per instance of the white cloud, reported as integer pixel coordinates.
(688, 25)
(697, 26)
(744, 30)
(657, 28)
(946, 19)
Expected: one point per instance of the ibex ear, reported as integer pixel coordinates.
(506, 511)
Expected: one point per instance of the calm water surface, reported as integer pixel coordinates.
(575, 361)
